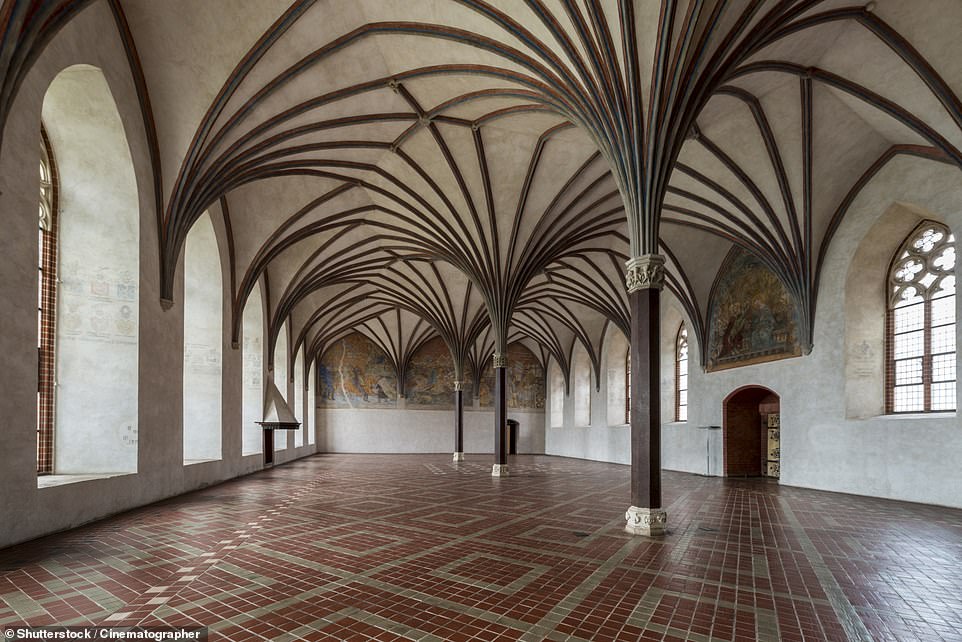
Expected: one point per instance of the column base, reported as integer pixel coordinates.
(458, 457)
(499, 470)
(646, 521)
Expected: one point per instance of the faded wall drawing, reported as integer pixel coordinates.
(752, 318)
(98, 305)
(526, 382)
(355, 373)
(429, 381)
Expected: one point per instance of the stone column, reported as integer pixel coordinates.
(458, 421)
(646, 277)
(500, 467)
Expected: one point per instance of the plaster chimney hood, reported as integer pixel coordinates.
(277, 414)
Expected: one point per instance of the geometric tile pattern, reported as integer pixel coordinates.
(415, 547)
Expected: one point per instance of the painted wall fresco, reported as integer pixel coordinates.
(429, 381)
(355, 373)
(526, 381)
(98, 304)
(752, 318)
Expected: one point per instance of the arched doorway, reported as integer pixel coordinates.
(752, 425)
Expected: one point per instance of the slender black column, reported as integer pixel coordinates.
(645, 279)
(500, 467)
(458, 422)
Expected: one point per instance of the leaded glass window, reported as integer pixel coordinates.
(46, 302)
(681, 374)
(920, 368)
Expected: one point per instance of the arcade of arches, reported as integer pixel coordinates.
(608, 320)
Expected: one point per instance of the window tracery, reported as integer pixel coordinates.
(681, 374)
(46, 307)
(921, 350)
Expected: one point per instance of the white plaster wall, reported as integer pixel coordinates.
(419, 431)
(282, 438)
(614, 373)
(97, 330)
(310, 407)
(253, 353)
(555, 395)
(298, 398)
(605, 437)
(203, 343)
(581, 388)
(905, 457)
(27, 511)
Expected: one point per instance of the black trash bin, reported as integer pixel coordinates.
(512, 436)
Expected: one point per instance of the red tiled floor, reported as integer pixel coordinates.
(339, 547)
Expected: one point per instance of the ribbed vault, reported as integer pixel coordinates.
(481, 171)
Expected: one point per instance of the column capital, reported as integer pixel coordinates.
(645, 272)
(458, 386)
(499, 360)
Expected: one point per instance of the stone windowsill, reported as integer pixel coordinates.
(191, 462)
(914, 416)
(49, 481)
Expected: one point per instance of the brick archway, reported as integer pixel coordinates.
(745, 437)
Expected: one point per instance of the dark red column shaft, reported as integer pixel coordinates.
(500, 415)
(645, 411)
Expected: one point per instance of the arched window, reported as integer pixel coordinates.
(298, 400)
(556, 388)
(46, 306)
(253, 357)
(203, 336)
(628, 386)
(920, 324)
(311, 411)
(97, 330)
(281, 373)
(681, 374)
(581, 380)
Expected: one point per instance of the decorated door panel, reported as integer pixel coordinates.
(773, 450)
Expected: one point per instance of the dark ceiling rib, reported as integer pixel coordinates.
(917, 151)
(700, 50)
(532, 324)
(399, 346)
(359, 259)
(774, 156)
(807, 249)
(567, 319)
(231, 249)
(429, 298)
(734, 224)
(861, 92)
(27, 27)
(146, 111)
(895, 41)
(246, 63)
(786, 247)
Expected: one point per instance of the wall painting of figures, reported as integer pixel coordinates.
(752, 318)
(526, 381)
(355, 373)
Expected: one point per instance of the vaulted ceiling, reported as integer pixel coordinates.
(483, 170)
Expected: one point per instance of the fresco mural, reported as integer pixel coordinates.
(429, 381)
(526, 382)
(355, 373)
(752, 318)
